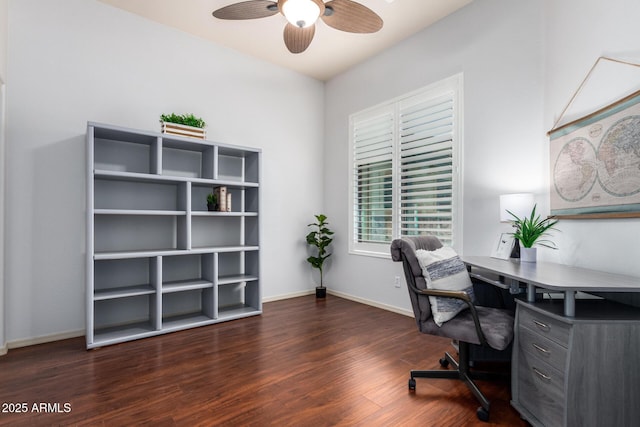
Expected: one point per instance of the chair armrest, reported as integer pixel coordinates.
(447, 294)
(461, 295)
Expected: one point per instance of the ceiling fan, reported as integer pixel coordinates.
(344, 15)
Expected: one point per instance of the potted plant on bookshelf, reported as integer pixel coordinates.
(528, 232)
(183, 125)
(212, 202)
(320, 238)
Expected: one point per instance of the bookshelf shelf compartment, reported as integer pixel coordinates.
(237, 311)
(240, 265)
(187, 160)
(122, 333)
(157, 260)
(199, 193)
(238, 299)
(189, 306)
(185, 321)
(238, 166)
(115, 319)
(187, 272)
(137, 232)
(125, 156)
(216, 230)
(122, 278)
(138, 195)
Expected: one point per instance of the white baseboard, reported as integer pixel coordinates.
(3, 350)
(287, 296)
(376, 304)
(44, 339)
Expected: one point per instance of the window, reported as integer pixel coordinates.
(404, 176)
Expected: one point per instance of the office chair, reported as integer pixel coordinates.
(490, 327)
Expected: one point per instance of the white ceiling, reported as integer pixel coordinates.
(331, 51)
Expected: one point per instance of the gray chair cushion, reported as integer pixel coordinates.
(496, 324)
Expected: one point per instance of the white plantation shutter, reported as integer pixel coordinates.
(404, 157)
(373, 167)
(426, 168)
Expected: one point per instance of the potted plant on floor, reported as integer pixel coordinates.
(183, 125)
(528, 232)
(320, 238)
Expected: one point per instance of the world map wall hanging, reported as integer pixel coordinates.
(595, 163)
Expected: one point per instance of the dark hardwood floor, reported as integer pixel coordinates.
(301, 363)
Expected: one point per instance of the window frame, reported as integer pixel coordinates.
(449, 86)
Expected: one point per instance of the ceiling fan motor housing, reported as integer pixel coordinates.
(285, 7)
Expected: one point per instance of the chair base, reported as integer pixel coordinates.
(461, 372)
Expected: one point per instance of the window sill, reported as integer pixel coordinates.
(372, 253)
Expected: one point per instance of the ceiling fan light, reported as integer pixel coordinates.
(301, 13)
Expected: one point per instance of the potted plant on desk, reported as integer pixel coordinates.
(528, 232)
(320, 238)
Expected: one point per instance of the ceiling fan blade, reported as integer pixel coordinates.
(252, 9)
(298, 39)
(352, 17)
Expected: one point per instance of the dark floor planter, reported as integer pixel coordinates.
(321, 292)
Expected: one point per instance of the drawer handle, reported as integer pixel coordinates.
(541, 325)
(542, 375)
(541, 349)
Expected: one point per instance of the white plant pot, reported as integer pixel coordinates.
(528, 254)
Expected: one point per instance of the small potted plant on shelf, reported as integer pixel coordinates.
(528, 232)
(212, 202)
(320, 238)
(183, 125)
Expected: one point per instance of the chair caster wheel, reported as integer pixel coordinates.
(483, 414)
(412, 384)
(444, 362)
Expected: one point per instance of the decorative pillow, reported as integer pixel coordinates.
(444, 270)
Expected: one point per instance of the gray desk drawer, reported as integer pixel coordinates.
(544, 325)
(540, 388)
(537, 344)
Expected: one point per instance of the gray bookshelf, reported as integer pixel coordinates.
(157, 260)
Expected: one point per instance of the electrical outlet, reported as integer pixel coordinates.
(396, 282)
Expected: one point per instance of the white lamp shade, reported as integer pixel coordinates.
(301, 13)
(520, 204)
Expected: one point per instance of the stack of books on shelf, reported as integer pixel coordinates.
(224, 199)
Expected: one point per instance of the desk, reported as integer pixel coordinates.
(554, 277)
(575, 362)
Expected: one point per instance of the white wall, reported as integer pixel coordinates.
(73, 61)
(577, 33)
(497, 44)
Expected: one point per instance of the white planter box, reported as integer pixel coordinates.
(183, 130)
